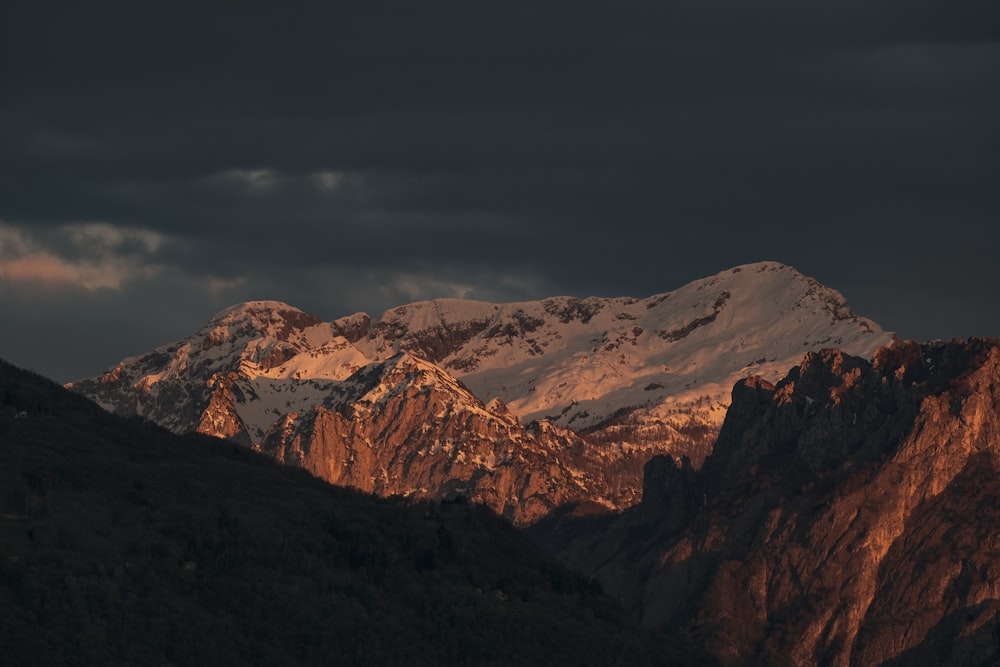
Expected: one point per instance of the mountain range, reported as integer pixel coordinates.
(524, 407)
(745, 464)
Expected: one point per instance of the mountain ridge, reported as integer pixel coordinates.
(619, 379)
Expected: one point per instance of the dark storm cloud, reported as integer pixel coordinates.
(356, 155)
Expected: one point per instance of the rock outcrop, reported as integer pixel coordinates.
(848, 516)
(405, 427)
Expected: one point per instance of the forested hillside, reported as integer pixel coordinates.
(122, 543)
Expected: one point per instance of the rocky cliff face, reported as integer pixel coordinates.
(847, 516)
(404, 427)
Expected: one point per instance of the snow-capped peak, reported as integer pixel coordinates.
(253, 308)
(271, 319)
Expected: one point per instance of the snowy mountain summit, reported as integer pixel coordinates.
(524, 406)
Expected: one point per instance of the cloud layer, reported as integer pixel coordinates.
(354, 157)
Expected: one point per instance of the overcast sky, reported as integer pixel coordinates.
(161, 161)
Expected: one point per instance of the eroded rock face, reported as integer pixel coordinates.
(407, 428)
(220, 417)
(848, 516)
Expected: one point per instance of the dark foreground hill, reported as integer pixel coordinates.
(122, 543)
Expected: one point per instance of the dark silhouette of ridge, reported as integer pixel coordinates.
(121, 543)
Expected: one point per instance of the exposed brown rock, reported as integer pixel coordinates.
(219, 417)
(354, 327)
(848, 517)
(412, 430)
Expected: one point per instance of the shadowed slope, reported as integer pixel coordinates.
(121, 543)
